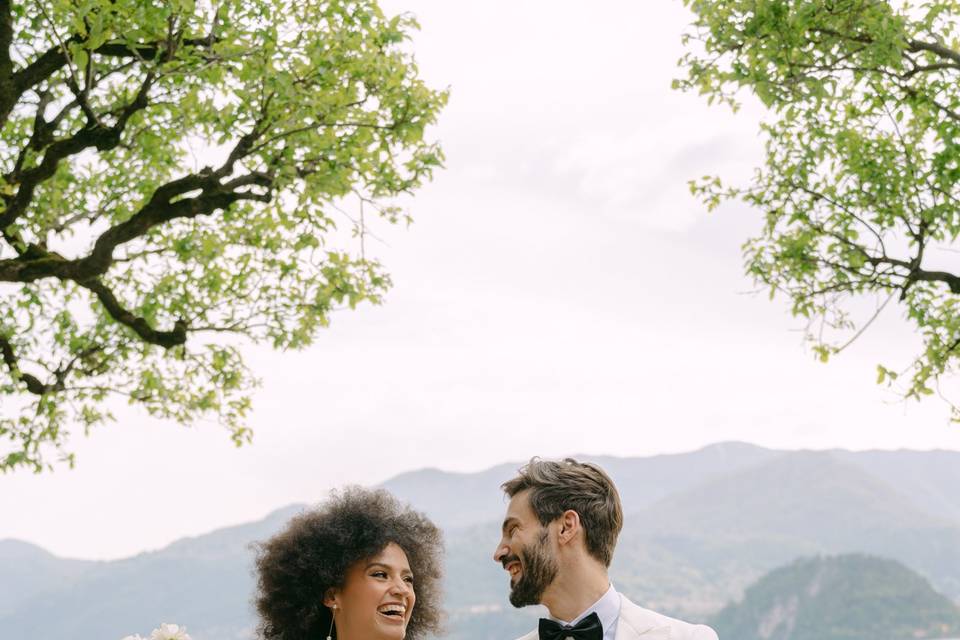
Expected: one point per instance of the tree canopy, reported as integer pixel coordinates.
(170, 178)
(859, 185)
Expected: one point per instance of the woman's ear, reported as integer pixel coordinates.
(331, 599)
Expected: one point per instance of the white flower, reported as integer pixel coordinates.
(169, 631)
(136, 637)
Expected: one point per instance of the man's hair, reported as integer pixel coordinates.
(558, 486)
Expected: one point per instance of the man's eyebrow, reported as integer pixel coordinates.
(507, 523)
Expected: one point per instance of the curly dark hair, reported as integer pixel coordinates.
(300, 564)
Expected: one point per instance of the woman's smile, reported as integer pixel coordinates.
(377, 598)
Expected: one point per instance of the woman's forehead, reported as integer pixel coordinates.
(393, 556)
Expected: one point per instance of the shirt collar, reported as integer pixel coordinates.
(607, 609)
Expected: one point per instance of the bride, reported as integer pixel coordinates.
(360, 567)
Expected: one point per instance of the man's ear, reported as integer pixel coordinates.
(331, 599)
(569, 526)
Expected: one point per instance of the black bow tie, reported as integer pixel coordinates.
(587, 629)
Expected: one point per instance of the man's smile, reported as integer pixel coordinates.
(514, 568)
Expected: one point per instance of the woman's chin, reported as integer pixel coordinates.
(389, 628)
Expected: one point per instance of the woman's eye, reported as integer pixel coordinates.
(379, 574)
(409, 579)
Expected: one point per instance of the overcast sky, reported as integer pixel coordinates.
(559, 292)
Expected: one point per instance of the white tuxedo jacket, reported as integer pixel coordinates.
(643, 624)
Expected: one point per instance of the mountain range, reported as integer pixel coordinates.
(699, 529)
(847, 597)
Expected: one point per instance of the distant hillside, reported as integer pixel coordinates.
(723, 534)
(929, 478)
(27, 570)
(204, 583)
(850, 597)
(700, 528)
(692, 552)
(456, 500)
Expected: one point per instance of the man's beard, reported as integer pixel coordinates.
(539, 568)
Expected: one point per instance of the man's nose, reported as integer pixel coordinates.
(500, 551)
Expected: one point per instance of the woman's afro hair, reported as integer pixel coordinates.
(300, 564)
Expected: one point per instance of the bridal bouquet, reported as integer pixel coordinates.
(166, 631)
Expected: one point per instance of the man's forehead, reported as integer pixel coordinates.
(519, 506)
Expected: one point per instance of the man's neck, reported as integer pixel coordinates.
(574, 590)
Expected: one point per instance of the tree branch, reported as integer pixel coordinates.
(89, 136)
(951, 280)
(140, 326)
(8, 92)
(92, 135)
(817, 195)
(158, 210)
(37, 263)
(913, 46)
(54, 59)
(920, 68)
(936, 49)
(257, 178)
(33, 383)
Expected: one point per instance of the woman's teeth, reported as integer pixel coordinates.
(394, 610)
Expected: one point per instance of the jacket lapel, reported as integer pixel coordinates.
(636, 622)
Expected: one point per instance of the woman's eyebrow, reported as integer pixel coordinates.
(387, 566)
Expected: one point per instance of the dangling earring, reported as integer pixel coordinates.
(333, 616)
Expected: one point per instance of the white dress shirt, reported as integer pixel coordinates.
(607, 609)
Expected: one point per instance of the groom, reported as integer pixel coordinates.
(558, 538)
